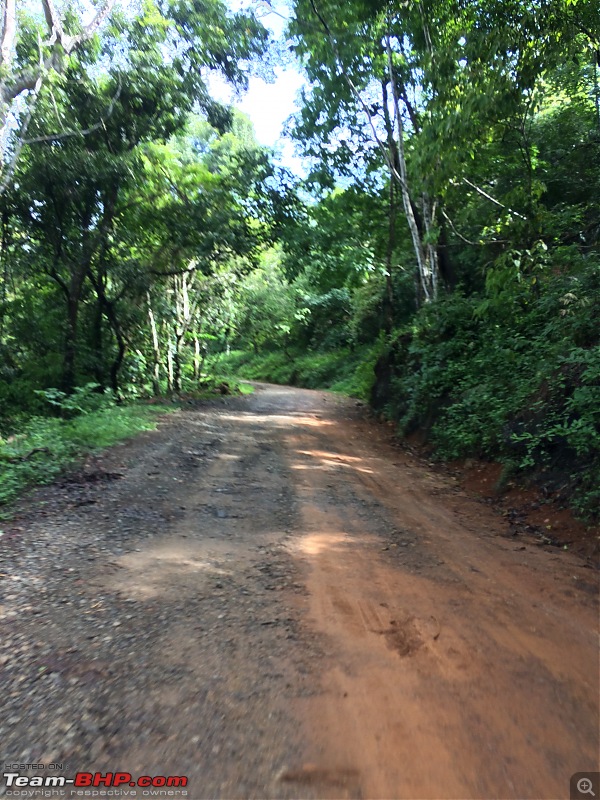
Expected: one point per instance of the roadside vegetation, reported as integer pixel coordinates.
(346, 371)
(441, 260)
(38, 448)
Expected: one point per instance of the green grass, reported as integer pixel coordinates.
(38, 448)
(42, 447)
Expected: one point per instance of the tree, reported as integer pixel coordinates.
(29, 55)
(210, 211)
(73, 191)
(420, 87)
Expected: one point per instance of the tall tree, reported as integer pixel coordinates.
(30, 53)
(419, 88)
(71, 188)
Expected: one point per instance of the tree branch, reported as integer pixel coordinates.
(55, 137)
(53, 21)
(56, 30)
(493, 199)
(31, 79)
(9, 30)
(8, 171)
(357, 94)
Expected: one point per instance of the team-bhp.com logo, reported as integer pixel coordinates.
(95, 784)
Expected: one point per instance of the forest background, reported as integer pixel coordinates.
(440, 259)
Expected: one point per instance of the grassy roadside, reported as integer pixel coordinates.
(38, 448)
(41, 447)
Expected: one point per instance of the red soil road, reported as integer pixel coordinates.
(459, 664)
(276, 601)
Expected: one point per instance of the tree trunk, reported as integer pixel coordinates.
(176, 361)
(73, 295)
(98, 343)
(196, 358)
(389, 297)
(426, 253)
(4, 267)
(117, 363)
(202, 360)
(169, 371)
(184, 311)
(155, 350)
(596, 87)
(70, 347)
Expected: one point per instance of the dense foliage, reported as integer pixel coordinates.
(441, 260)
(134, 202)
(461, 256)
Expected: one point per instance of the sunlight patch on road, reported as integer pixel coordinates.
(331, 461)
(325, 455)
(328, 466)
(147, 574)
(278, 420)
(315, 543)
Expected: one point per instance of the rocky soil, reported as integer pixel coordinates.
(266, 596)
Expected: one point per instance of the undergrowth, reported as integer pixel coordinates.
(348, 371)
(521, 389)
(37, 449)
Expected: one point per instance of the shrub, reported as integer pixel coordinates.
(42, 447)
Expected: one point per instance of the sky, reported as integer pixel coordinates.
(269, 104)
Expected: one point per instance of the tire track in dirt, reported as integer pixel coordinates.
(276, 602)
(454, 670)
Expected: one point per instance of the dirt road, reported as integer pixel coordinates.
(268, 597)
